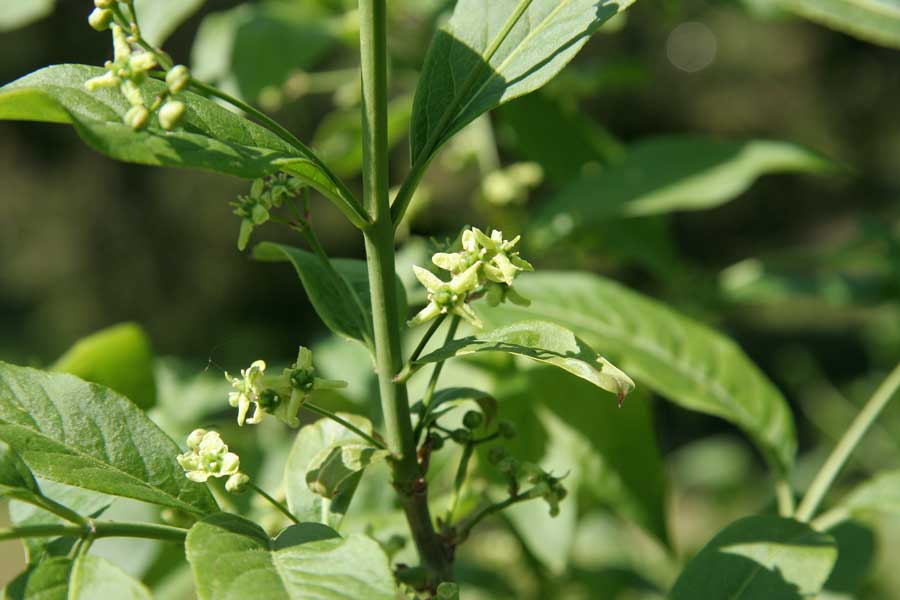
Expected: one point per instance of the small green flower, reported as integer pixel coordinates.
(501, 262)
(247, 392)
(448, 296)
(208, 456)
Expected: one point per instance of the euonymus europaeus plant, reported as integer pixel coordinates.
(439, 458)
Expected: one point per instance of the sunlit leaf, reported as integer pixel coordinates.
(759, 558)
(459, 83)
(234, 558)
(688, 363)
(876, 21)
(86, 435)
(19, 13)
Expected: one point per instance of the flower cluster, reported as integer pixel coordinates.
(544, 484)
(208, 456)
(128, 70)
(278, 395)
(265, 194)
(487, 264)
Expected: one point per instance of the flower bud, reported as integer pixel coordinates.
(137, 117)
(194, 439)
(104, 3)
(436, 441)
(178, 78)
(237, 483)
(506, 429)
(496, 454)
(170, 114)
(100, 18)
(461, 436)
(473, 419)
(447, 591)
(508, 466)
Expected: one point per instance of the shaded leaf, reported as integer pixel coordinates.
(85, 435)
(688, 363)
(19, 13)
(667, 174)
(119, 357)
(160, 18)
(48, 580)
(876, 21)
(16, 480)
(856, 556)
(330, 471)
(765, 558)
(322, 436)
(253, 47)
(459, 83)
(234, 558)
(544, 342)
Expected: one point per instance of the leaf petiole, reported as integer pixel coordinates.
(278, 505)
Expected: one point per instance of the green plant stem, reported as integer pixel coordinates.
(421, 162)
(466, 527)
(830, 518)
(328, 414)
(59, 510)
(426, 338)
(274, 503)
(98, 529)
(459, 481)
(847, 444)
(439, 366)
(379, 237)
(784, 496)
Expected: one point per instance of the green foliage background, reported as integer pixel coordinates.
(802, 270)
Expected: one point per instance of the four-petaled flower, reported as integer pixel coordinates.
(248, 390)
(448, 296)
(208, 456)
(501, 262)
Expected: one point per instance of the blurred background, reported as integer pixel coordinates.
(793, 249)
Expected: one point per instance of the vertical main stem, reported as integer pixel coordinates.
(408, 478)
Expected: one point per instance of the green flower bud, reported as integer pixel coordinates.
(473, 419)
(259, 214)
(137, 117)
(104, 3)
(194, 439)
(461, 436)
(436, 441)
(170, 114)
(244, 234)
(506, 429)
(237, 483)
(268, 400)
(447, 591)
(508, 466)
(177, 78)
(100, 18)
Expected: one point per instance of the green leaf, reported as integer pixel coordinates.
(881, 494)
(544, 342)
(311, 442)
(119, 357)
(49, 580)
(234, 558)
(160, 18)
(19, 13)
(688, 363)
(93, 577)
(211, 137)
(462, 80)
(764, 558)
(332, 469)
(16, 479)
(339, 292)
(87, 578)
(255, 48)
(876, 21)
(666, 174)
(83, 502)
(856, 555)
(88, 436)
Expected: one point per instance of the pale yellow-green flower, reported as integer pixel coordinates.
(208, 456)
(448, 296)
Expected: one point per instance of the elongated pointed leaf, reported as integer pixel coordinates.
(759, 558)
(544, 342)
(459, 83)
(86, 435)
(325, 436)
(209, 137)
(875, 21)
(688, 363)
(339, 293)
(119, 357)
(16, 479)
(234, 558)
(881, 494)
(19, 13)
(667, 174)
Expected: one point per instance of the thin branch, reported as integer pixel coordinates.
(278, 505)
(337, 419)
(98, 529)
